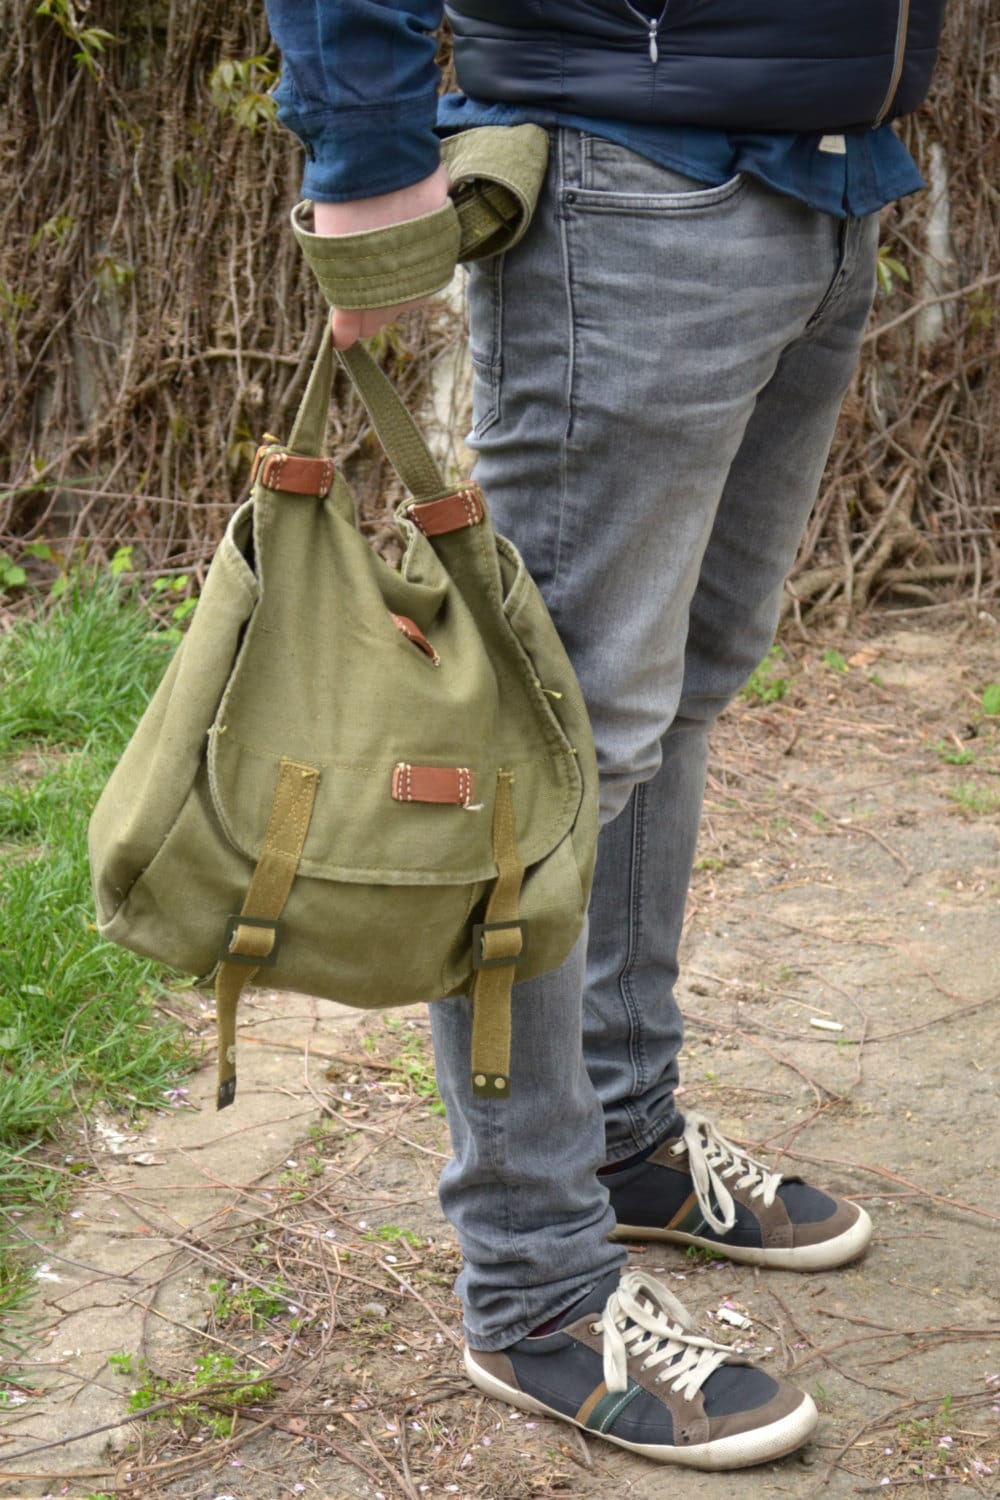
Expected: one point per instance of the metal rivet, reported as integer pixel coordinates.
(479, 1080)
(499, 1083)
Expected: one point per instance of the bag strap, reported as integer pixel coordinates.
(396, 430)
(252, 936)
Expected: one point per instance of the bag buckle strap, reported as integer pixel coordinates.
(259, 957)
(501, 952)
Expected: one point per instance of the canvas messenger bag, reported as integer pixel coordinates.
(371, 784)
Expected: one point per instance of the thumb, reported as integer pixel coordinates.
(345, 327)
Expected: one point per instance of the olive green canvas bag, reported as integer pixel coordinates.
(367, 783)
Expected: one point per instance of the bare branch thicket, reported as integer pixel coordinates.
(155, 312)
(909, 513)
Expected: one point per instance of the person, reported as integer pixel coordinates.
(658, 369)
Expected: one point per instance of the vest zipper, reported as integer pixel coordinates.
(902, 23)
(651, 26)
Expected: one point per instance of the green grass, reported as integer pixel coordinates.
(81, 671)
(77, 1018)
(766, 684)
(976, 801)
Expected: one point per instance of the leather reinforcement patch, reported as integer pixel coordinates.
(442, 784)
(292, 474)
(465, 507)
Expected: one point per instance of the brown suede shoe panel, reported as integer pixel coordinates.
(496, 1364)
(785, 1400)
(838, 1223)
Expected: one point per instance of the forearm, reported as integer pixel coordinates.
(386, 208)
(376, 213)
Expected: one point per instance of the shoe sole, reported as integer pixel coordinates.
(823, 1256)
(738, 1451)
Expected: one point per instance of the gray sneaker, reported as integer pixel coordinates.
(700, 1189)
(627, 1367)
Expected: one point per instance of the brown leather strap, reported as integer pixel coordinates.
(451, 784)
(293, 474)
(466, 507)
(413, 633)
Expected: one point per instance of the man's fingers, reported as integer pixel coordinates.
(348, 325)
(345, 327)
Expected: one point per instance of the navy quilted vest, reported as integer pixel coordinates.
(799, 65)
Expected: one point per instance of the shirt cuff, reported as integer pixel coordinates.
(361, 153)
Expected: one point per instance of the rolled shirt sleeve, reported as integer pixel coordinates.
(359, 88)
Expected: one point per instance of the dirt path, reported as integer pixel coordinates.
(849, 873)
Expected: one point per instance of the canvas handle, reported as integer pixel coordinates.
(396, 430)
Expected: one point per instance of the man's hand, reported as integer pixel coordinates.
(375, 213)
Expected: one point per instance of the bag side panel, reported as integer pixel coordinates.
(176, 906)
(554, 905)
(147, 790)
(531, 623)
(532, 674)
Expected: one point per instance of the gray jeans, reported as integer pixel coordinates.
(658, 372)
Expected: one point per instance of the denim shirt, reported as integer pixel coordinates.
(359, 88)
(843, 175)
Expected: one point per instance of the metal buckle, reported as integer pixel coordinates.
(478, 932)
(252, 960)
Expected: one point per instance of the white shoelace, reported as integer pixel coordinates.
(642, 1319)
(712, 1159)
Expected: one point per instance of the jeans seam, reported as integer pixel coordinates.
(634, 1011)
(492, 369)
(586, 156)
(570, 379)
(667, 206)
(499, 1159)
(846, 241)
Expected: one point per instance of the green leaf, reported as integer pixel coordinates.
(182, 610)
(991, 699)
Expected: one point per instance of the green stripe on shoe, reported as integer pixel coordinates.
(602, 1415)
(689, 1218)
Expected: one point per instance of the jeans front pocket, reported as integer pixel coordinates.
(621, 181)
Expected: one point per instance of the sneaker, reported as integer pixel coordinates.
(699, 1189)
(625, 1365)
